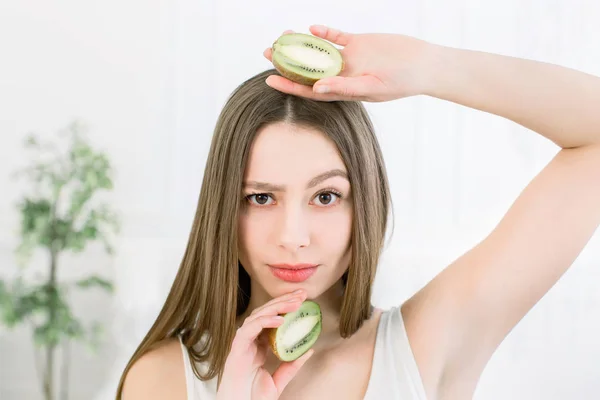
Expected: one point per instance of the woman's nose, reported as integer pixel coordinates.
(294, 232)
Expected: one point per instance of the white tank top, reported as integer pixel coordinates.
(394, 374)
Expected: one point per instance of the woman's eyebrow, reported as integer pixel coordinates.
(281, 188)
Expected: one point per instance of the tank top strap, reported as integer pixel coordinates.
(189, 372)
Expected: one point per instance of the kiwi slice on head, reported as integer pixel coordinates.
(305, 58)
(297, 334)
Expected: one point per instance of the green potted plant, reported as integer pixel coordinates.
(59, 215)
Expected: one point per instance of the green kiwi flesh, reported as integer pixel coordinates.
(299, 331)
(305, 58)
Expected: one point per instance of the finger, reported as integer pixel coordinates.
(247, 333)
(262, 350)
(347, 87)
(286, 86)
(282, 307)
(333, 35)
(286, 371)
(268, 54)
(301, 296)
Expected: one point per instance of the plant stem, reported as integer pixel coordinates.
(49, 376)
(64, 393)
(52, 291)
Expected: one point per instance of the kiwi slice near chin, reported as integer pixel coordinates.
(299, 331)
(305, 58)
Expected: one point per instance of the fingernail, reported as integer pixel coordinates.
(297, 291)
(320, 29)
(322, 89)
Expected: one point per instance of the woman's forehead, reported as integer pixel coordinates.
(282, 152)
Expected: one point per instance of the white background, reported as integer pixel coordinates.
(149, 77)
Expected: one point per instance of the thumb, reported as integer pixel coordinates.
(287, 370)
(345, 87)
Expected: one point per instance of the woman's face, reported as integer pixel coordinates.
(296, 210)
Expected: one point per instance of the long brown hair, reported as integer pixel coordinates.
(211, 288)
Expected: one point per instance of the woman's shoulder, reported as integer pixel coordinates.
(158, 374)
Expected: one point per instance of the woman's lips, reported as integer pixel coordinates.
(293, 275)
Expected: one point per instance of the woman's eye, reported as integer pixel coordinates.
(261, 199)
(326, 198)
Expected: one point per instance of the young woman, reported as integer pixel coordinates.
(295, 179)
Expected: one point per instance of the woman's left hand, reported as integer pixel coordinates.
(378, 67)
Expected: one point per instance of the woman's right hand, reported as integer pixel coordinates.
(244, 376)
